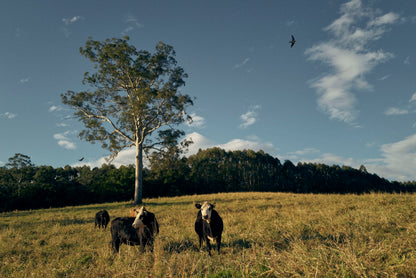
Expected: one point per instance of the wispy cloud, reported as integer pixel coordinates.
(250, 117)
(242, 63)
(350, 60)
(64, 141)
(8, 115)
(395, 111)
(71, 20)
(24, 80)
(55, 108)
(289, 23)
(413, 98)
(300, 154)
(407, 60)
(67, 21)
(132, 23)
(201, 142)
(409, 108)
(384, 77)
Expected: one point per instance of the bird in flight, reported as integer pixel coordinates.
(292, 42)
(81, 159)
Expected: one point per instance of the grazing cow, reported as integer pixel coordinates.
(133, 212)
(208, 225)
(139, 230)
(102, 218)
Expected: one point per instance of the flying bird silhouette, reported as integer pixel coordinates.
(81, 159)
(292, 42)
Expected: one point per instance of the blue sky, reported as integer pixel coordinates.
(344, 94)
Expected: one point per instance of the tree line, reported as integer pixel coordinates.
(26, 186)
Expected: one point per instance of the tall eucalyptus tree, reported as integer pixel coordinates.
(133, 99)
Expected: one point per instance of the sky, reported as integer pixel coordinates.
(345, 94)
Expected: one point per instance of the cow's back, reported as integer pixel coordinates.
(122, 227)
(216, 223)
(199, 224)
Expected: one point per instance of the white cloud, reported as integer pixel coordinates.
(201, 142)
(8, 115)
(54, 108)
(407, 60)
(64, 141)
(24, 80)
(197, 121)
(388, 18)
(332, 159)
(396, 111)
(296, 155)
(348, 56)
(133, 23)
(399, 160)
(413, 98)
(241, 64)
(69, 21)
(250, 117)
(384, 77)
(289, 23)
(126, 157)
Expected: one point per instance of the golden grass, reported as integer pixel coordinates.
(265, 235)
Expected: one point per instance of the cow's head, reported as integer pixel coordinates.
(141, 215)
(146, 219)
(206, 210)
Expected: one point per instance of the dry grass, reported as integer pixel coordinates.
(265, 235)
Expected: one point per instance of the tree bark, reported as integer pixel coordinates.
(138, 185)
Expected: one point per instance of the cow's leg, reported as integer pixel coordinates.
(151, 243)
(200, 241)
(218, 243)
(142, 243)
(116, 244)
(208, 244)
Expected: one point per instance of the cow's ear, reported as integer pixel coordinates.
(213, 205)
(198, 206)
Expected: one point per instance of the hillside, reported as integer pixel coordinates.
(265, 235)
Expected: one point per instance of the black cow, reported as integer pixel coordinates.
(102, 218)
(140, 230)
(208, 225)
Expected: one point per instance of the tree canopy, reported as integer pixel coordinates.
(133, 99)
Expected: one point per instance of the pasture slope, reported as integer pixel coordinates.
(265, 235)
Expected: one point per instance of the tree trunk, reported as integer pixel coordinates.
(138, 185)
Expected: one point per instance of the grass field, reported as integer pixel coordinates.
(265, 235)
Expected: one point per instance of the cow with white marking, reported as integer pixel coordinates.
(140, 230)
(208, 225)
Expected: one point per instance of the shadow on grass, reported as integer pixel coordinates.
(180, 246)
(188, 245)
(238, 244)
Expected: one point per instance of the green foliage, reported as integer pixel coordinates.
(172, 174)
(133, 99)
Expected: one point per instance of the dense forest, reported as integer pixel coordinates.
(26, 186)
